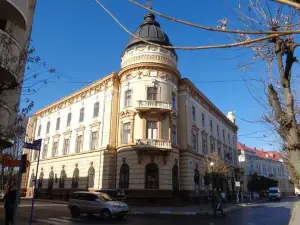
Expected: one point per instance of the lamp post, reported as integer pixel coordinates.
(211, 164)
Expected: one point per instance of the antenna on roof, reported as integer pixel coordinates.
(148, 4)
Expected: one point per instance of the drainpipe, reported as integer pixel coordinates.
(102, 127)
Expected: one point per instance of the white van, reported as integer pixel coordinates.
(274, 193)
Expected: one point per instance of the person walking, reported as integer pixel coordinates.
(9, 198)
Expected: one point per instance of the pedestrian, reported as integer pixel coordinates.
(223, 195)
(9, 198)
(218, 204)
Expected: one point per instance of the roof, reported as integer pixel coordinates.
(261, 153)
(151, 31)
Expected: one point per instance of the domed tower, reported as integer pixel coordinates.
(147, 136)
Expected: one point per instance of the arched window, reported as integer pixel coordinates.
(124, 176)
(151, 176)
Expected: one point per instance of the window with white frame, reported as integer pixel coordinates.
(81, 115)
(195, 142)
(174, 102)
(152, 130)
(69, 119)
(193, 113)
(66, 146)
(212, 145)
(96, 110)
(78, 144)
(57, 123)
(203, 120)
(126, 132)
(174, 134)
(128, 98)
(204, 144)
(54, 148)
(94, 139)
(45, 151)
(48, 127)
(152, 93)
(39, 130)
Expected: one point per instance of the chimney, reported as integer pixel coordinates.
(231, 116)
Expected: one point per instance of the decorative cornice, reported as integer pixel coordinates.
(81, 128)
(127, 113)
(67, 132)
(87, 91)
(153, 66)
(187, 85)
(95, 124)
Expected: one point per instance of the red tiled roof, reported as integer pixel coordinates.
(271, 155)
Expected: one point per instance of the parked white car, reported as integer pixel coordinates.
(274, 193)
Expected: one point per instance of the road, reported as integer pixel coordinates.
(269, 213)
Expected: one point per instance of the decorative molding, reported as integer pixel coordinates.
(95, 124)
(87, 91)
(187, 85)
(80, 128)
(127, 114)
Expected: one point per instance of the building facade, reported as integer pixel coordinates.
(15, 28)
(264, 163)
(144, 129)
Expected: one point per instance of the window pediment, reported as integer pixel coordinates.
(127, 113)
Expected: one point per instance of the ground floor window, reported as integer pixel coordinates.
(151, 176)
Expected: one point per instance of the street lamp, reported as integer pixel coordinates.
(212, 183)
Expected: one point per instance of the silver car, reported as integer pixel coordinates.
(96, 203)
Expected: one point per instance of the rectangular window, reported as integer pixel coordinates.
(203, 120)
(3, 24)
(81, 115)
(223, 135)
(54, 149)
(57, 124)
(212, 145)
(204, 144)
(228, 139)
(78, 144)
(45, 151)
(174, 101)
(193, 113)
(126, 133)
(219, 150)
(48, 127)
(195, 142)
(211, 126)
(69, 119)
(152, 131)
(152, 93)
(174, 134)
(96, 110)
(128, 98)
(66, 146)
(218, 131)
(94, 139)
(39, 130)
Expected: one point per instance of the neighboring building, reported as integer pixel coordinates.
(15, 28)
(265, 163)
(143, 129)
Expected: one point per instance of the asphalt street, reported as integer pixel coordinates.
(269, 213)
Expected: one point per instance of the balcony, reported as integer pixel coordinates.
(152, 143)
(15, 10)
(9, 57)
(145, 105)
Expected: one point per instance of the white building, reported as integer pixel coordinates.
(264, 163)
(144, 129)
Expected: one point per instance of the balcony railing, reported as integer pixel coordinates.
(162, 144)
(150, 104)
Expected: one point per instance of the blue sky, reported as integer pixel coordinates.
(81, 41)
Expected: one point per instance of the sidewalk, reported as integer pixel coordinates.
(295, 218)
(199, 209)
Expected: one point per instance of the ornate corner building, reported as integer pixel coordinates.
(16, 17)
(144, 129)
